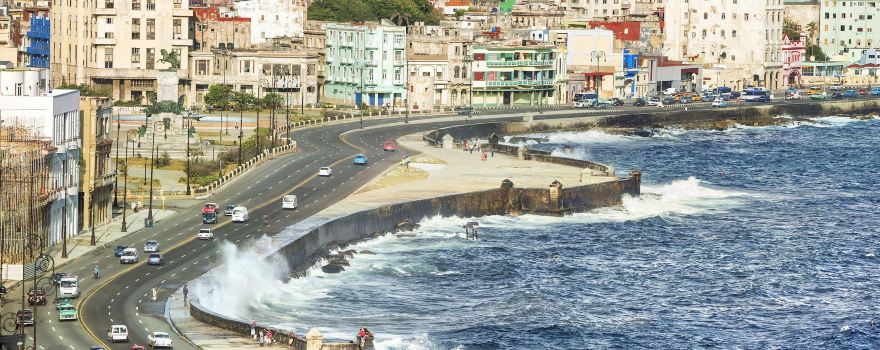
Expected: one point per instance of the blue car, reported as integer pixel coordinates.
(850, 93)
(360, 159)
(119, 249)
(875, 91)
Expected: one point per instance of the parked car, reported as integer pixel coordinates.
(56, 278)
(137, 347)
(155, 259)
(36, 296)
(205, 233)
(119, 249)
(228, 210)
(820, 96)
(735, 94)
(159, 340)
(836, 87)
(360, 159)
(616, 102)
(814, 90)
(863, 92)
(151, 246)
(684, 100)
(850, 93)
(696, 98)
(655, 101)
(117, 333)
(389, 146)
(639, 102)
(325, 171)
(464, 110)
(668, 101)
(129, 256)
(875, 91)
(720, 103)
(836, 95)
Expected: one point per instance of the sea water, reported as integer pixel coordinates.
(753, 237)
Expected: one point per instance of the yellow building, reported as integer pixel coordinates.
(98, 176)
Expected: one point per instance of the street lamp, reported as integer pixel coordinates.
(189, 132)
(263, 84)
(597, 55)
(470, 61)
(153, 155)
(131, 137)
(360, 67)
(116, 169)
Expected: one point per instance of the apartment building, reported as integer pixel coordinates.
(594, 8)
(52, 117)
(450, 81)
(37, 43)
(515, 75)
(291, 73)
(273, 18)
(849, 27)
(9, 37)
(591, 61)
(98, 176)
(213, 31)
(740, 39)
(116, 45)
(365, 63)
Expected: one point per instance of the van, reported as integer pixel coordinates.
(68, 287)
(239, 214)
(117, 333)
(288, 202)
(129, 256)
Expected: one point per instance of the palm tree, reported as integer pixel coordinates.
(813, 30)
(401, 19)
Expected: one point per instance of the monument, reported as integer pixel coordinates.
(167, 78)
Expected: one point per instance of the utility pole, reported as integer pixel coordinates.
(93, 242)
(64, 186)
(188, 136)
(289, 82)
(597, 55)
(128, 139)
(239, 97)
(360, 66)
(470, 61)
(116, 169)
(152, 165)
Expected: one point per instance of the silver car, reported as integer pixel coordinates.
(151, 246)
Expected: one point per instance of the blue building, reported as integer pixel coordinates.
(631, 70)
(38, 42)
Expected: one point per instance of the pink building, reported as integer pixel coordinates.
(793, 53)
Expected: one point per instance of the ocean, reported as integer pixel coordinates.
(752, 237)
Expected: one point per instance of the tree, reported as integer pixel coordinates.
(458, 13)
(86, 90)
(371, 10)
(218, 96)
(791, 29)
(242, 100)
(812, 31)
(272, 100)
(164, 159)
(815, 53)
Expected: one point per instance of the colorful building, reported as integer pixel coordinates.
(38, 46)
(793, 53)
(514, 75)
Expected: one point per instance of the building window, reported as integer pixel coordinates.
(176, 28)
(151, 29)
(177, 4)
(136, 5)
(108, 57)
(151, 5)
(151, 58)
(135, 55)
(202, 67)
(733, 33)
(246, 66)
(136, 28)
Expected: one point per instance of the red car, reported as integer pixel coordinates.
(389, 146)
(863, 92)
(137, 347)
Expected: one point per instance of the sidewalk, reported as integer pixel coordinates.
(204, 336)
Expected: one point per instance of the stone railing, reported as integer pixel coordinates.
(251, 163)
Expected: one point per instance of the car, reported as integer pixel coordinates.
(67, 313)
(814, 90)
(792, 95)
(24, 318)
(36, 296)
(137, 347)
(328, 105)
(62, 301)
(129, 256)
(820, 96)
(836, 95)
(875, 91)
(228, 210)
(639, 102)
(119, 249)
(850, 93)
(151, 246)
(720, 103)
(616, 102)
(288, 202)
(360, 159)
(836, 87)
(56, 277)
(668, 101)
(69, 287)
(240, 214)
(155, 259)
(863, 92)
(696, 98)
(117, 333)
(325, 171)
(159, 340)
(464, 110)
(685, 100)
(96, 347)
(389, 146)
(655, 101)
(735, 95)
(205, 233)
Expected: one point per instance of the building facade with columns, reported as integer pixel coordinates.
(741, 40)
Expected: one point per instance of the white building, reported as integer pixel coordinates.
(54, 116)
(587, 9)
(273, 18)
(742, 40)
(849, 27)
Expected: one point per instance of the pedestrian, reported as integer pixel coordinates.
(185, 292)
(253, 330)
(362, 333)
(290, 337)
(493, 152)
(472, 149)
(269, 338)
(262, 338)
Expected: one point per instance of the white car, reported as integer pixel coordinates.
(288, 202)
(205, 233)
(117, 333)
(68, 287)
(325, 171)
(129, 256)
(159, 340)
(151, 246)
(239, 214)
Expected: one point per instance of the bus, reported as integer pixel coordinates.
(756, 95)
(585, 99)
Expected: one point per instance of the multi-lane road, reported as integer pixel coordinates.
(123, 295)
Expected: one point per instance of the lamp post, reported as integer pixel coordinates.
(406, 88)
(153, 153)
(360, 66)
(116, 169)
(597, 55)
(189, 132)
(92, 242)
(132, 134)
(470, 61)
(290, 81)
(262, 85)
(239, 99)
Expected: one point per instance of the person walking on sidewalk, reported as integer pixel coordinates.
(262, 338)
(185, 293)
(253, 330)
(269, 337)
(290, 337)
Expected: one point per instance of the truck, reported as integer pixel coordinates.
(209, 213)
(68, 287)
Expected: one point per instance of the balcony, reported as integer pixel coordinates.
(180, 41)
(181, 13)
(105, 41)
(511, 83)
(106, 11)
(519, 63)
